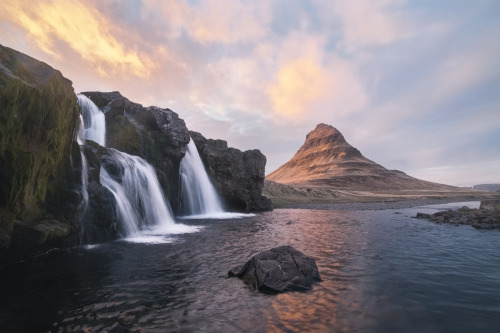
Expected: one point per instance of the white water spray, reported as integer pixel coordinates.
(94, 122)
(198, 195)
(141, 207)
(140, 201)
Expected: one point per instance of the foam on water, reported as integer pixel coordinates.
(217, 216)
(143, 212)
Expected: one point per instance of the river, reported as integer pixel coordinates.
(382, 271)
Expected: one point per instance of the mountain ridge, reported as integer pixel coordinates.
(326, 159)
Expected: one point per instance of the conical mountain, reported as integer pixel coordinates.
(326, 159)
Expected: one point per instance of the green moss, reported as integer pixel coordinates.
(123, 135)
(36, 129)
(52, 230)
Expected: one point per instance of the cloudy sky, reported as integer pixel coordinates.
(414, 85)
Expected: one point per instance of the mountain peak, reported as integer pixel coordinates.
(327, 159)
(323, 134)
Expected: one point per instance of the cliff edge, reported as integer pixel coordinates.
(38, 115)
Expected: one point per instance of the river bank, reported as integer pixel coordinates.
(286, 196)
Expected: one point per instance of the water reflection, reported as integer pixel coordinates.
(381, 272)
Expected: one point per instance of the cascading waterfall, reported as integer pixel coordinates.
(140, 204)
(138, 195)
(92, 127)
(198, 195)
(94, 122)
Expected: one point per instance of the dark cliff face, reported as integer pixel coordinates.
(41, 163)
(238, 176)
(38, 116)
(161, 137)
(157, 135)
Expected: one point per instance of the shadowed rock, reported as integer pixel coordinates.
(38, 116)
(486, 217)
(278, 270)
(238, 176)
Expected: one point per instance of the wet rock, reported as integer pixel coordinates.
(34, 237)
(238, 176)
(158, 135)
(486, 217)
(278, 270)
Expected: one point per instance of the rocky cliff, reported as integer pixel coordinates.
(326, 159)
(238, 176)
(41, 163)
(161, 137)
(157, 135)
(38, 115)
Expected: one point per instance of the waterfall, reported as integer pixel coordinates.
(138, 195)
(94, 121)
(198, 195)
(141, 206)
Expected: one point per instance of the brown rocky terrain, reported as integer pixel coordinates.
(328, 169)
(486, 217)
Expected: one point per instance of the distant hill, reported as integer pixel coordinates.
(487, 187)
(327, 160)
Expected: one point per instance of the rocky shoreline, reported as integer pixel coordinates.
(487, 216)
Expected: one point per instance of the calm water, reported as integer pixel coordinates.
(382, 271)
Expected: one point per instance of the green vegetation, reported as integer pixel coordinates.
(122, 135)
(38, 113)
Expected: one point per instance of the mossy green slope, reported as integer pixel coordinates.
(38, 113)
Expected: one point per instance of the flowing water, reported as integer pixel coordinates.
(198, 195)
(94, 122)
(143, 211)
(382, 271)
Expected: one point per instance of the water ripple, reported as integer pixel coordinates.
(381, 272)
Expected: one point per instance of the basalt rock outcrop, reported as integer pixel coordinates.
(161, 137)
(44, 199)
(98, 221)
(277, 270)
(238, 176)
(157, 135)
(326, 159)
(38, 117)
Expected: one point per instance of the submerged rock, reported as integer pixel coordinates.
(278, 270)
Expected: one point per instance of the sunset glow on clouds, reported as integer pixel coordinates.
(83, 29)
(411, 84)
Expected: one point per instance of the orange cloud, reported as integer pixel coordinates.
(299, 83)
(82, 28)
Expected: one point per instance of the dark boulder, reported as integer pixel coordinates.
(279, 269)
(238, 176)
(31, 237)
